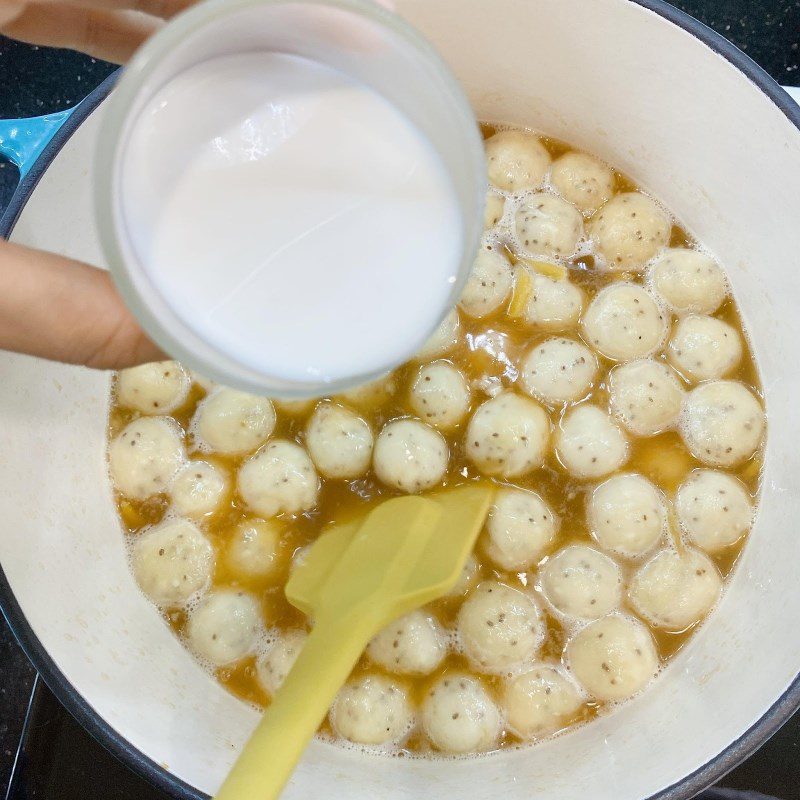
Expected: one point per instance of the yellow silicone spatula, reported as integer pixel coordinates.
(356, 579)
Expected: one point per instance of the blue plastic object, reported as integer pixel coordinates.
(23, 140)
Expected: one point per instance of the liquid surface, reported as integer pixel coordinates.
(488, 352)
(246, 217)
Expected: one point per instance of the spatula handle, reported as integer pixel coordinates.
(269, 757)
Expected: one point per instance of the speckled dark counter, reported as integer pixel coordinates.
(37, 80)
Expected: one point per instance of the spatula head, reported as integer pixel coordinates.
(405, 552)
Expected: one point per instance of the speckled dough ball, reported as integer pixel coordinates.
(225, 627)
(157, 388)
(414, 644)
(722, 423)
(198, 489)
(516, 160)
(554, 305)
(674, 590)
(519, 530)
(540, 702)
(410, 456)
(493, 211)
(339, 441)
(372, 710)
(440, 395)
(629, 230)
(252, 547)
(704, 348)
(273, 666)
(470, 575)
(583, 180)
(444, 338)
(145, 456)
(589, 443)
(688, 281)
(500, 629)
(459, 715)
(627, 515)
(230, 422)
(171, 561)
(714, 509)
(279, 479)
(613, 657)
(488, 285)
(579, 581)
(645, 396)
(508, 436)
(624, 322)
(547, 225)
(558, 371)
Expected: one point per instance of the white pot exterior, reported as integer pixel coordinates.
(627, 84)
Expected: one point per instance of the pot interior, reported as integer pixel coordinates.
(624, 83)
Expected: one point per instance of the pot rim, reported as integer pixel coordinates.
(80, 708)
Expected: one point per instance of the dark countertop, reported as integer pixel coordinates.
(38, 80)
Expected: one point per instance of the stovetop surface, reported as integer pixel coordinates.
(44, 753)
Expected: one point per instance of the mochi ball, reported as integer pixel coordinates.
(582, 180)
(489, 283)
(558, 370)
(554, 304)
(274, 665)
(516, 160)
(589, 444)
(440, 395)
(229, 421)
(410, 456)
(413, 644)
(157, 388)
(547, 225)
(704, 348)
(339, 442)
(687, 281)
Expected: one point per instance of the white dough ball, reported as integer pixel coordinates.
(414, 644)
(645, 395)
(339, 441)
(459, 715)
(547, 225)
(470, 575)
(229, 421)
(198, 489)
(508, 436)
(704, 348)
(156, 388)
(444, 338)
(688, 281)
(714, 509)
(371, 394)
(519, 530)
(294, 408)
(225, 627)
(253, 546)
(589, 443)
(493, 211)
(553, 305)
(613, 657)
(279, 479)
(372, 710)
(722, 423)
(629, 230)
(516, 160)
(627, 515)
(624, 322)
(558, 371)
(171, 561)
(583, 180)
(440, 395)
(579, 581)
(410, 456)
(489, 283)
(145, 456)
(273, 666)
(500, 629)
(540, 702)
(674, 590)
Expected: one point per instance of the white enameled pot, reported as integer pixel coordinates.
(695, 122)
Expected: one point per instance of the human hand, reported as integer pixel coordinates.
(107, 29)
(50, 306)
